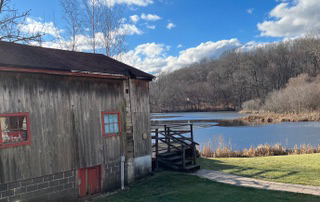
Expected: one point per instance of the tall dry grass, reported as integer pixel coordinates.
(261, 150)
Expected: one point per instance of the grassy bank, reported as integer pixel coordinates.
(296, 169)
(171, 186)
(256, 117)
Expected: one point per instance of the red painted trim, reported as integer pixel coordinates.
(0, 135)
(28, 142)
(103, 125)
(57, 72)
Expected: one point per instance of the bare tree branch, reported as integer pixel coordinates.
(11, 23)
(1, 4)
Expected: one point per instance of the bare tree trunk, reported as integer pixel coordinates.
(72, 18)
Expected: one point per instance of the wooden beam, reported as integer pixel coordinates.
(57, 72)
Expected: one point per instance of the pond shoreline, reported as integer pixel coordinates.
(253, 118)
(258, 118)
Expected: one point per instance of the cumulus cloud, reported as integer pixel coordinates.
(55, 39)
(170, 25)
(129, 29)
(134, 18)
(150, 17)
(112, 3)
(152, 57)
(34, 26)
(292, 19)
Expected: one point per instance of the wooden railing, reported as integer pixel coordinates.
(175, 136)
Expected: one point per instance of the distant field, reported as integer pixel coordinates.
(295, 169)
(171, 186)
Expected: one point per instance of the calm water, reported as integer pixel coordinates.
(288, 134)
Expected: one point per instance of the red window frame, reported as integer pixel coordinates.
(26, 114)
(103, 124)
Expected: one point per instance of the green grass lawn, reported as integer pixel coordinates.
(296, 169)
(172, 186)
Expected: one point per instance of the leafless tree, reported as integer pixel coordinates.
(91, 16)
(11, 23)
(110, 26)
(73, 21)
(99, 24)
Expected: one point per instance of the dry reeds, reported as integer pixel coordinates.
(261, 150)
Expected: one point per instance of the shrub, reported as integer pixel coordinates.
(302, 94)
(252, 105)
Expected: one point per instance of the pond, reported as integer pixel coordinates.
(239, 137)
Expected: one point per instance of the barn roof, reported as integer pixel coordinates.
(17, 56)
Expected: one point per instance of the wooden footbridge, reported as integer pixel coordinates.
(174, 147)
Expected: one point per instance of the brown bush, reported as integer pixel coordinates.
(302, 94)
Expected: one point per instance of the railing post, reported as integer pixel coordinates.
(168, 139)
(157, 149)
(193, 145)
(183, 157)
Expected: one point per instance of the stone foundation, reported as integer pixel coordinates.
(56, 187)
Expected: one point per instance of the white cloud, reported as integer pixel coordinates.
(33, 26)
(134, 18)
(55, 39)
(150, 17)
(150, 26)
(180, 46)
(152, 57)
(250, 10)
(292, 19)
(129, 29)
(170, 25)
(112, 3)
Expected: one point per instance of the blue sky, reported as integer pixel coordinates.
(216, 24)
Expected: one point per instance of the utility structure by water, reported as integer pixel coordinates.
(174, 147)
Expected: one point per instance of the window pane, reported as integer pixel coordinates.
(111, 128)
(116, 127)
(106, 129)
(106, 118)
(13, 129)
(115, 118)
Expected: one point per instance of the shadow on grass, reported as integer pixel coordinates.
(217, 165)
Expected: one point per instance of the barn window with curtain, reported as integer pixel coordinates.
(111, 124)
(14, 130)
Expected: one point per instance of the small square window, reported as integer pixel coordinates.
(14, 130)
(111, 123)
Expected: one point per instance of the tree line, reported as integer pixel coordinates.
(236, 77)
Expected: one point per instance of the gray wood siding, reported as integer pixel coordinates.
(140, 112)
(65, 118)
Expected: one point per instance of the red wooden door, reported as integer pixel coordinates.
(93, 180)
(89, 181)
(83, 182)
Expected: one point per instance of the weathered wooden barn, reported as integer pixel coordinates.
(72, 124)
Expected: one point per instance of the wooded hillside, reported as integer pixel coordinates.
(237, 76)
